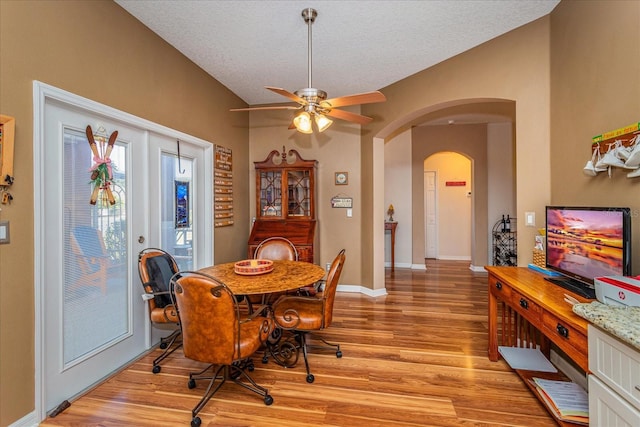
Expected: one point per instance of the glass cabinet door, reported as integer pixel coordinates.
(299, 193)
(270, 193)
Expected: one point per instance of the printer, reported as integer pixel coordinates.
(621, 291)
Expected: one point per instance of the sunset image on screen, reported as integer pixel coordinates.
(585, 242)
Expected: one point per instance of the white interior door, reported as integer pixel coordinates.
(430, 210)
(93, 317)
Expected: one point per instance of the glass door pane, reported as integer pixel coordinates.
(299, 193)
(270, 193)
(95, 302)
(177, 208)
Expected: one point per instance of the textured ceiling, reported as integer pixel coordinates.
(357, 46)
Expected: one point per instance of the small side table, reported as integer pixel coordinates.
(392, 226)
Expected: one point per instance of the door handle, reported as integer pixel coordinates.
(140, 239)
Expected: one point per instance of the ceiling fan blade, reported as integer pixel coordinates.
(287, 94)
(360, 98)
(267, 107)
(350, 117)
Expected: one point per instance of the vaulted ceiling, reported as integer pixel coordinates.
(357, 46)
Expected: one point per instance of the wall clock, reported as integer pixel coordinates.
(342, 178)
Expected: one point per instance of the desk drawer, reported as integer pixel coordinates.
(527, 308)
(571, 340)
(499, 289)
(616, 364)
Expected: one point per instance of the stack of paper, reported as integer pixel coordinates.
(565, 398)
(529, 359)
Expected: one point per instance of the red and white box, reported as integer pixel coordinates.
(618, 290)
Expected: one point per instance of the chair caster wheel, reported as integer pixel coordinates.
(265, 360)
(163, 345)
(338, 354)
(310, 378)
(196, 422)
(156, 369)
(251, 368)
(268, 400)
(192, 384)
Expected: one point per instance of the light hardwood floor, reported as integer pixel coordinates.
(415, 357)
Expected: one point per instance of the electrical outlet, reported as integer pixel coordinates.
(328, 266)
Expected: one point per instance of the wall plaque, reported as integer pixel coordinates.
(341, 202)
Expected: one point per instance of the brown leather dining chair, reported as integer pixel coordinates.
(305, 314)
(156, 268)
(273, 248)
(276, 248)
(214, 332)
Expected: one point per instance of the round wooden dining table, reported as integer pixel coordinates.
(286, 276)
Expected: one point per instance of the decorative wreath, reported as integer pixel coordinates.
(101, 171)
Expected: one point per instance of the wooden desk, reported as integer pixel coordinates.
(526, 311)
(286, 276)
(392, 226)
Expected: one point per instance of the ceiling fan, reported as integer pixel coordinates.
(314, 104)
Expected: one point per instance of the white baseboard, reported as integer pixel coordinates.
(477, 268)
(362, 290)
(454, 258)
(418, 267)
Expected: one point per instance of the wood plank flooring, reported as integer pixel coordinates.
(415, 357)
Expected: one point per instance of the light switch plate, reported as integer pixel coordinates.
(4, 232)
(349, 213)
(530, 219)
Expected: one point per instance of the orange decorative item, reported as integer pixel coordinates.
(101, 171)
(252, 267)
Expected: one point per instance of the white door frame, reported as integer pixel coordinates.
(41, 94)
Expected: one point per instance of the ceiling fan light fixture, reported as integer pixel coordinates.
(314, 102)
(302, 122)
(323, 122)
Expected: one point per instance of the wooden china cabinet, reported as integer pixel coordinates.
(285, 202)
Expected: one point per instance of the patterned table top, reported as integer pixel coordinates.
(286, 276)
(622, 322)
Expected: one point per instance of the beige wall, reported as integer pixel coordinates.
(337, 149)
(97, 50)
(397, 181)
(453, 204)
(513, 67)
(595, 88)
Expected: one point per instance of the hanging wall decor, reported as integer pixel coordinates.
(223, 187)
(102, 170)
(182, 204)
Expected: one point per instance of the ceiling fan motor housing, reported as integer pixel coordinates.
(309, 14)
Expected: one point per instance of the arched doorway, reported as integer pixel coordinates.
(497, 119)
(447, 206)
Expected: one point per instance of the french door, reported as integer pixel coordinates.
(90, 317)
